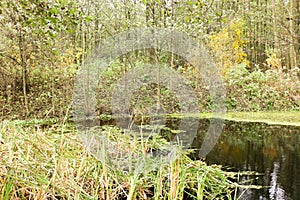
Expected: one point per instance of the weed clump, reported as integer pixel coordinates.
(39, 162)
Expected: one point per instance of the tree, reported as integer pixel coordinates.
(29, 31)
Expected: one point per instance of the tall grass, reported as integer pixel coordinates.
(38, 162)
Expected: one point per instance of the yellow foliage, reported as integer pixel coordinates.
(71, 56)
(227, 45)
(70, 52)
(79, 53)
(273, 62)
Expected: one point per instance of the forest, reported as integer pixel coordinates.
(254, 45)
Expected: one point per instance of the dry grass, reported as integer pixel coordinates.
(38, 162)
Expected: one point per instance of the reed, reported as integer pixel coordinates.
(50, 162)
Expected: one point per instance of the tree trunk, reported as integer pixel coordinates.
(292, 36)
(24, 70)
(275, 34)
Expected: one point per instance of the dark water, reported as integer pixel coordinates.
(272, 150)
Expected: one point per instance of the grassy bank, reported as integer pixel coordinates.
(41, 161)
(269, 117)
(281, 118)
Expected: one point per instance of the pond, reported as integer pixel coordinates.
(271, 150)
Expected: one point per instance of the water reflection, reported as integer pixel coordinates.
(275, 191)
(271, 150)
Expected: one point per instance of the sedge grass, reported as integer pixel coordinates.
(51, 163)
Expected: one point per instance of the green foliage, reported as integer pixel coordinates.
(33, 71)
(142, 99)
(257, 90)
(43, 43)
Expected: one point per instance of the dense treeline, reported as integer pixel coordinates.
(256, 44)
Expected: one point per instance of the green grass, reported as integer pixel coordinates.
(281, 118)
(50, 162)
